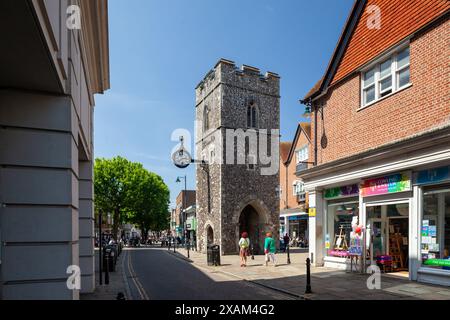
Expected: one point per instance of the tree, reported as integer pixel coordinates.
(132, 194)
(111, 181)
(148, 201)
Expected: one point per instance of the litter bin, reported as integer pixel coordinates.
(213, 255)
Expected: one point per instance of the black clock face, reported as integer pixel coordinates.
(182, 158)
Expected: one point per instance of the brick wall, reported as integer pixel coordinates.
(288, 200)
(423, 106)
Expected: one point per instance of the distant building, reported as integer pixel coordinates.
(185, 199)
(294, 158)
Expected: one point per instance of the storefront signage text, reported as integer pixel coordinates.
(384, 185)
(345, 191)
(432, 175)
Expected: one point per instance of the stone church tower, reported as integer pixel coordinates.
(237, 135)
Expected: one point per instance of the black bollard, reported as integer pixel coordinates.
(174, 245)
(253, 256)
(188, 247)
(308, 276)
(107, 268)
(288, 255)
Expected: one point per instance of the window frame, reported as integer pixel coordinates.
(304, 149)
(394, 74)
(252, 116)
(295, 191)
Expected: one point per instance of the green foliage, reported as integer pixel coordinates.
(132, 193)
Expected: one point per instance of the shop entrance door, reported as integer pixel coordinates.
(398, 242)
(387, 236)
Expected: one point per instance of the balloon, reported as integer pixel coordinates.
(358, 230)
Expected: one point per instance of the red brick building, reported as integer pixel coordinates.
(293, 198)
(380, 141)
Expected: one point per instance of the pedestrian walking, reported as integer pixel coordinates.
(244, 245)
(270, 249)
(286, 241)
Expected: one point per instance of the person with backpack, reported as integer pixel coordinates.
(270, 249)
(244, 245)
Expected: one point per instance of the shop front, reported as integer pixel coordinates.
(295, 224)
(399, 222)
(386, 219)
(433, 195)
(341, 214)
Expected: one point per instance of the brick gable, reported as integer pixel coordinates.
(399, 19)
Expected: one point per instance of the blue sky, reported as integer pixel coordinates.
(161, 49)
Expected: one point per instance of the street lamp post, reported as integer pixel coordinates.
(183, 211)
(182, 159)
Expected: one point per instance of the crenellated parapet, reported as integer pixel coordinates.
(247, 77)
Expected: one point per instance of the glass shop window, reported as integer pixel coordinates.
(339, 223)
(435, 229)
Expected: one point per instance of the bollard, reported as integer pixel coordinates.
(188, 247)
(288, 255)
(308, 276)
(107, 268)
(174, 245)
(253, 256)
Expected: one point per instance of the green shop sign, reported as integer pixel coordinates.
(437, 262)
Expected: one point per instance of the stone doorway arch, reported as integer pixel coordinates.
(253, 217)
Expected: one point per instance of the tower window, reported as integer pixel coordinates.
(206, 112)
(252, 115)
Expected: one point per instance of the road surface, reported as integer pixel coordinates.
(156, 274)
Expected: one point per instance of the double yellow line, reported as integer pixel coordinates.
(135, 279)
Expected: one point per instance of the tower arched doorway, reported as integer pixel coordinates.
(250, 221)
(209, 236)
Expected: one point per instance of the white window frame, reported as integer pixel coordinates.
(295, 186)
(304, 152)
(395, 79)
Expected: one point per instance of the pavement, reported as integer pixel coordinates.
(326, 283)
(117, 282)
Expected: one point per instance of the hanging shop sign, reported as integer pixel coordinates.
(339, 192)
(434, 175)
(399, 182)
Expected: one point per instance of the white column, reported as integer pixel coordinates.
(316, 225)
(286, 225)
(414, 232)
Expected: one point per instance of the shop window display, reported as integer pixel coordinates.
(435, 231)
(340, 216)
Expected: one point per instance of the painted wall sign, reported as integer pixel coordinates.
(345, 191)
(432, 176)
(385, 185)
